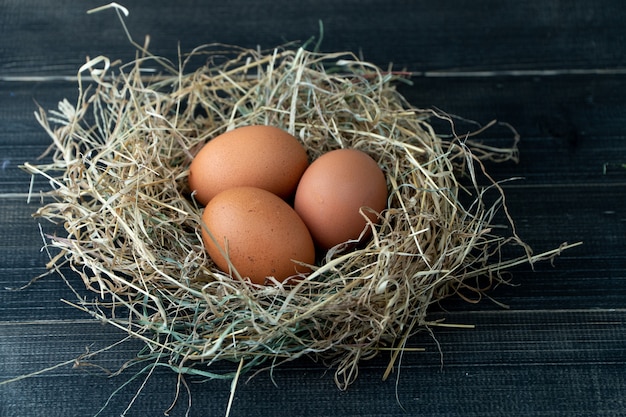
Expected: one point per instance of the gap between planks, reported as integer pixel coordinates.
(420, 74)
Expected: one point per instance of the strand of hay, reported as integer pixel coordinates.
(120, 156)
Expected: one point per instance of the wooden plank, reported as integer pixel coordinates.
(455, 35)
(564, 108)
(574, 122)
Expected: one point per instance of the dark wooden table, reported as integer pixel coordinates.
(554, 70)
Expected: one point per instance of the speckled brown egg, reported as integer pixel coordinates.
(259, 231)
(333, 190)
(256, 156)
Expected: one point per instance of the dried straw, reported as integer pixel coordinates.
(120, 156)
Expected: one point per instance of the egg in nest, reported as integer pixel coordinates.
(258, 156)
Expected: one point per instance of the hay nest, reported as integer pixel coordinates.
(120, 158)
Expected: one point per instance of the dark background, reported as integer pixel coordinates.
(555, 70)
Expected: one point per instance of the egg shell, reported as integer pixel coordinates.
(333, 189)
(257, 156)
(261, 233)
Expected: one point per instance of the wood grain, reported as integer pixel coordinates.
(450, 36)
(553, 70)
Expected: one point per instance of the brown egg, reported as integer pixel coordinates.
(333, 189)
(257, 156)
(259, 231)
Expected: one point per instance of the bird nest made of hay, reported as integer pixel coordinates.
(118, 176)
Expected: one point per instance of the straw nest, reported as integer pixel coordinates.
(120, 158)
